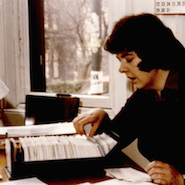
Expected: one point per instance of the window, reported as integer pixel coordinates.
(66, 55)
(75, 61)
(22, 52)
(69, 53)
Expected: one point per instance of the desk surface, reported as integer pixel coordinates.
(126, 162)
(2, 165)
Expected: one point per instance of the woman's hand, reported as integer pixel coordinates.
(94, 117)
(164, 173)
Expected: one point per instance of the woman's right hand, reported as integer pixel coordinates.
(93, 117)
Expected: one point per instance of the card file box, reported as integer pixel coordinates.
(48, 110)
(18, 167)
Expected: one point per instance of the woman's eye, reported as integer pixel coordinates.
(129, 60)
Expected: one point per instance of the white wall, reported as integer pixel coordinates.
(14, 49)
(117, 10)
(14, 58)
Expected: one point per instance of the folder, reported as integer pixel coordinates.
(51, 109)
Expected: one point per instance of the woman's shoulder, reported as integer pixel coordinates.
(141, 98)
(141, 93)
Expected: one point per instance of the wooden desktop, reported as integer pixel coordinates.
(2, 165)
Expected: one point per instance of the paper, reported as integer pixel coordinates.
(36, 130)
(128, 174)
(113, 182)
(121, 182)
(117, 182)
(3, 89)
(64, 147)
(144, 183)
(27, 181)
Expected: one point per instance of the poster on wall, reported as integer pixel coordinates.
(167, 7)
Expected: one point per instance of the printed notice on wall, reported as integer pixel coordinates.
(163, 7)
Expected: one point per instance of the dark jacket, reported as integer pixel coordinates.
(158, 123)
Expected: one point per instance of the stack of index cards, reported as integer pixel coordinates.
(42, 148)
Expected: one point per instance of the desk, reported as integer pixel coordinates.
(124, 162)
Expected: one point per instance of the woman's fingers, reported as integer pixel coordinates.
(93, 117)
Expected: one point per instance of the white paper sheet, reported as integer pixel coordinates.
(36, 130)
(120, 182)
(128, 174)
(27, 181)
(125, 176)
(113, 182)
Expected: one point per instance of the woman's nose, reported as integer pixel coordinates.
(123, 67)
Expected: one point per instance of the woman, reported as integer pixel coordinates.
(153, 60)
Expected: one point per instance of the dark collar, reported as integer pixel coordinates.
(172, 80)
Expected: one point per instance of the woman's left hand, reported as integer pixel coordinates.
(164, 173)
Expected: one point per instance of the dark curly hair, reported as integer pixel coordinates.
(153, 42)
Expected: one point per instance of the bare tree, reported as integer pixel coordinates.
(68, 31)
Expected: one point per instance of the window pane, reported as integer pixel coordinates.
(74, 35)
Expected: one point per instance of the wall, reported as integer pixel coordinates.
(14, 50)
(14, 58)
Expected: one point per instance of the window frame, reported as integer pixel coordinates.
(37, 45)
(16, 60)
(102, 101)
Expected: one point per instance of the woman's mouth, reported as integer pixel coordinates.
(132, 79)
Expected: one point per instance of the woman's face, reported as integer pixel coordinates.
(129, 65)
